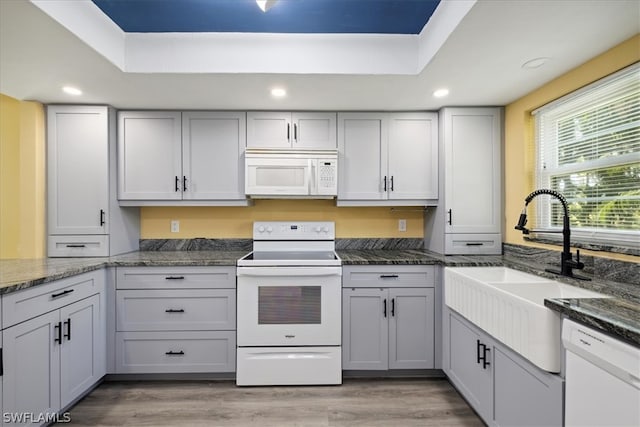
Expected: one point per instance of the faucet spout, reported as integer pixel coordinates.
(567, 264)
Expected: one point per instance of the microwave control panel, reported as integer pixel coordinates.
(327, 173)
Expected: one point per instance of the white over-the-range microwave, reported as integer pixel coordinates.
(291, 174)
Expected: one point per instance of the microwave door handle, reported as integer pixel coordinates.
(310, 180)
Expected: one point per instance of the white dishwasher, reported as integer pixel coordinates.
(602, 385)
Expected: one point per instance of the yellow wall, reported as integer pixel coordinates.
(22, 181)
(519, 132)
(236, 222)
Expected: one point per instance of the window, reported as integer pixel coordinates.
(588, 149)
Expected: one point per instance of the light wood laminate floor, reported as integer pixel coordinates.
(358, 402)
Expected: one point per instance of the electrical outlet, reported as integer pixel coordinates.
(175, 226)
(402, 225)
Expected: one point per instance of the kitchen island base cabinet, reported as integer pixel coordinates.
(51, 359)
(504, 388)
(388, 318)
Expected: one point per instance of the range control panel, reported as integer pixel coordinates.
(301, 230)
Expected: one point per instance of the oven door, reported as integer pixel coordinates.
(289, 306)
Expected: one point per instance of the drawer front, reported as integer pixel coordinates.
(175, 352)
(175, 277)
(78, 246)
(473, 244)
(384, 276)
(176, 310)
(24, 305)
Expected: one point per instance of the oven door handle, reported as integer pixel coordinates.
(289, 271)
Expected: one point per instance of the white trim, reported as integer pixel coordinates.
(357, 54)
(84, 19)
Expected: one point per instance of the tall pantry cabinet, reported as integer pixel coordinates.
(467, 219)
(83, 215)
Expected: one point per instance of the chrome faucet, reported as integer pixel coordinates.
(567, 263)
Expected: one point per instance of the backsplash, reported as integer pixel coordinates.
(605, 269)
(202, 244)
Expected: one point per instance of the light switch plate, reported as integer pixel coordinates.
(175, 226)
(402, 225)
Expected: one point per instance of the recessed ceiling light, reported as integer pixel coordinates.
(440, 93)
(278, 92)
(265, 5)
(535, 63)
(72, 90)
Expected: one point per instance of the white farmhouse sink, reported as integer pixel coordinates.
(509, 305)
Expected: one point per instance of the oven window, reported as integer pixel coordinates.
(287, 305)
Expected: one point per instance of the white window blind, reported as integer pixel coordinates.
(588, 149)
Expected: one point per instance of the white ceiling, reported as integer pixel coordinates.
(480, 62)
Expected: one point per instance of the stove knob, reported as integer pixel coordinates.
(261, 229)
(325, 229)
(317, 229)
(269, 229)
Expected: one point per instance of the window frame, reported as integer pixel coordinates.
(546, 166)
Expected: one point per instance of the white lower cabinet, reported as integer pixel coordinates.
(175, 320)
(504, 388)
(175, 352)
(51, 359)
(388, 318)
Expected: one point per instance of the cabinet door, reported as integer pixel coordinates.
(269, 129)
(80, 356)
(472, 170)
(314, 131)
(31, 380)
(362, 162)
(77, 170)
(365, 340)
(524, 395)
(149, 155)
(413, 156)
(411, 328)
(212, 147)
(465, 371)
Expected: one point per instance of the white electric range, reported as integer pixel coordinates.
(289, 306)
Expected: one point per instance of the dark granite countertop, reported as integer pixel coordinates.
(24, 273)
(618, 315)
(615, 316)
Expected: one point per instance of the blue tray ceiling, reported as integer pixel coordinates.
(287, 16)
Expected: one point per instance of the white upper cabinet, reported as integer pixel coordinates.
(172, 156)
(413, 156)
(83, 215)
(212, 147)
(467, 219)
(388, 158)
(286, 130)
(472, 139)
(362, 152)
(149, 155)
(78, 170)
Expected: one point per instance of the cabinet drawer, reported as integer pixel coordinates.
(78, 246)
(29, 303)
(383, 276)
(175, 277)
(479, 244)
(176, 310)
(175, 352)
